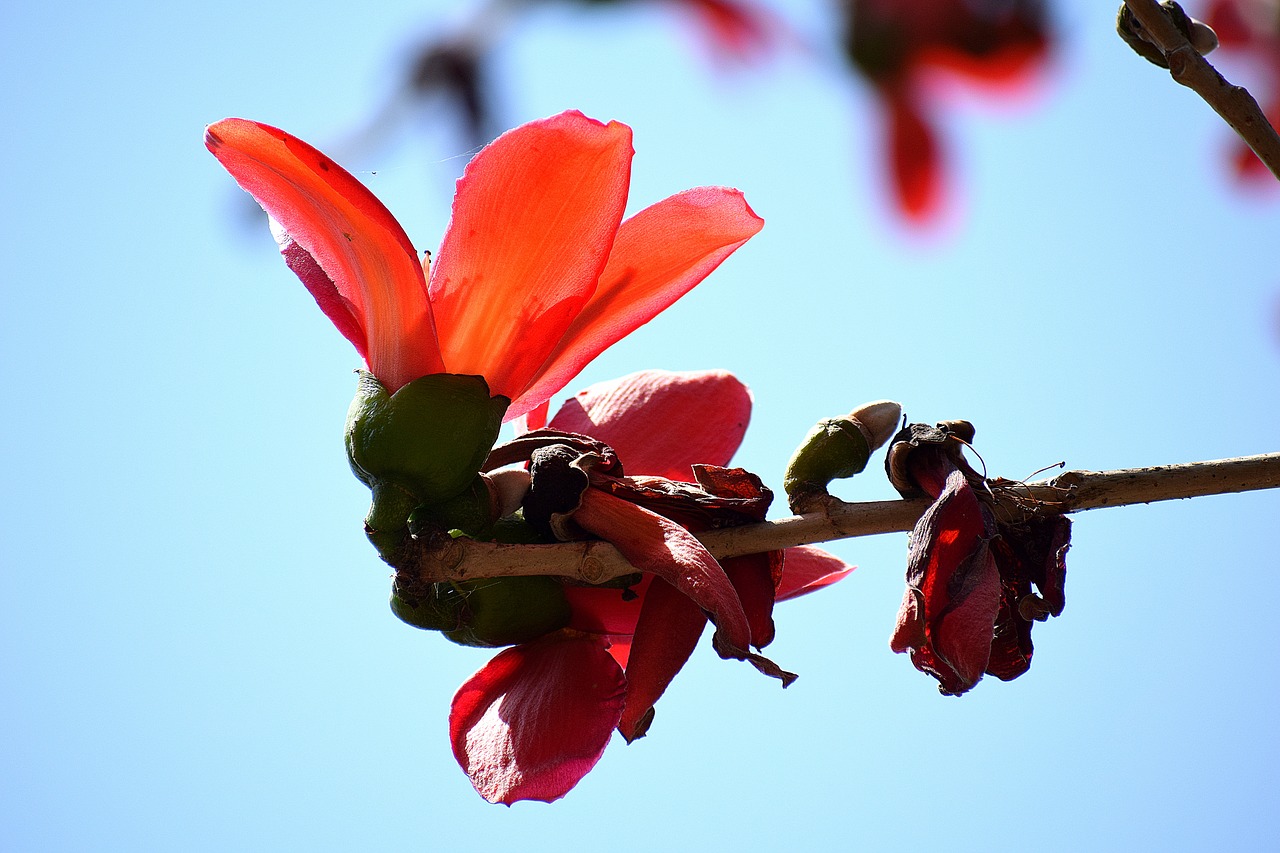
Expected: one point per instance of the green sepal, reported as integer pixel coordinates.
(387, 523)
(835, 448)
(514, 530)
(506, 611)
(472, 512)
(440, 610)
(430, 437)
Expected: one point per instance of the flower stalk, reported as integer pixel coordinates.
(1187, 66)
(595, 562)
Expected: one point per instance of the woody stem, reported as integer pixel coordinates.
(1234, 103)
(1072, 491)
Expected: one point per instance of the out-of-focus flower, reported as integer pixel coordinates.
(736, 30)
(969, 604)
(899, 47)
(1251, 30)
(539, 715)
(536, 275)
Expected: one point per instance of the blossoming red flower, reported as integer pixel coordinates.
(536, 275)
(899, 46)
(535, 719)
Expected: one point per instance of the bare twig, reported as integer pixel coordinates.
(1234, 103)
(1072, 491)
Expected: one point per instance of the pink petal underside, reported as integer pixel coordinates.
(661, 253)
(536, 718)
(534, 218)
(370, 277)
(661, 547)
(807, 569)
(667, 633)
(660, 422)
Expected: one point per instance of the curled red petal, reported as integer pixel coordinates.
(659, 546)
(806, 569)
(369, 274)
(660, 422)
(535, 719)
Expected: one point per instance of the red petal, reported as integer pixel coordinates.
(350, 251)
(806, 569)
(668, 631)
(661, 253)
(752, 576)
(661, 547)
(662, 423)
(915, 159)
(534, 218)
(537, 717)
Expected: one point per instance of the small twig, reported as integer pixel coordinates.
(1072, 491)
(1234, 103)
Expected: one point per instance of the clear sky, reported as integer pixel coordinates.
(195, 647)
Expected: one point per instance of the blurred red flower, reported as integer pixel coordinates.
(899, 47)
(1251, 29)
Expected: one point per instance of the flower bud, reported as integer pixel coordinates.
(836, 448)
(424, 444)
(505, 611)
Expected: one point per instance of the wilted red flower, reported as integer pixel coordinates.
(537, 717)
(900, 46)
(1251, 28)
(537, 273)
(969, 604)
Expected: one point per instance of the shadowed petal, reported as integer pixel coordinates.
(345, 246)
(660, 254)
(806, 569)
(534, 218)
(537, 717)
(667, 633)
(702, 417)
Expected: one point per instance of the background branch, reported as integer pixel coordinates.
(1234, 103)
(1072, 491)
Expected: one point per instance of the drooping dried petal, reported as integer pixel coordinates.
(537, 717)
(953, 587)
(703, 417)
(668, 630)
(534, 219)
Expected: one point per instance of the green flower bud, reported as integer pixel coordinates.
(505, 611)
(837, 448)
(440, 610)
(473, 512)
(430, 437)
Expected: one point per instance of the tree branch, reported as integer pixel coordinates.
(1072, 491)
(1234, 103)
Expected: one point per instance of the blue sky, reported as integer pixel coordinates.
(195, 647)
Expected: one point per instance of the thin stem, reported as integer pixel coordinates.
(1234, 103)
(1073, 491)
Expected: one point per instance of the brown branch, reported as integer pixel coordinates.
(1072, 491)
(1234, 103)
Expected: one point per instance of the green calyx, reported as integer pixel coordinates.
(489, 612)
(422, 445)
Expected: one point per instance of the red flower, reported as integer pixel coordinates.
(969, 606)
(538, 716)
(537, 273)
(1251, 28)
(901, 46)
